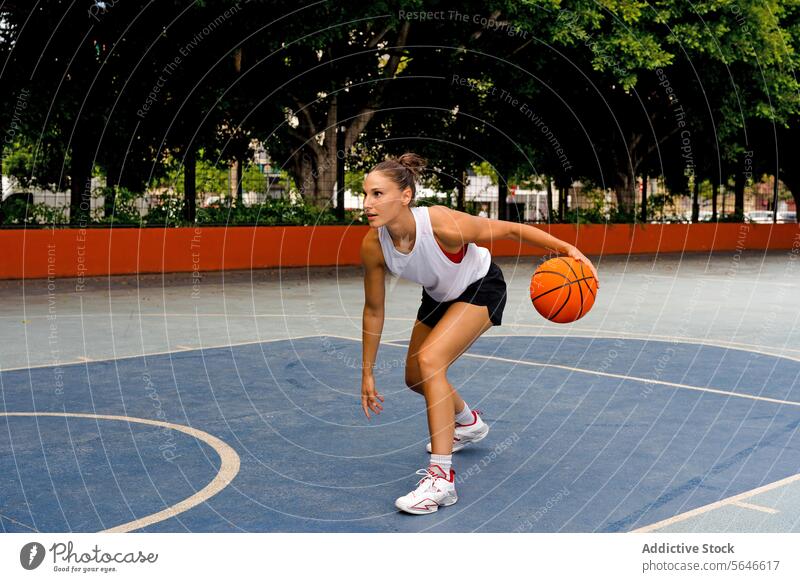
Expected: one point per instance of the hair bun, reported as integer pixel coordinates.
(413, 163)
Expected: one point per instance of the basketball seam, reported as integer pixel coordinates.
(580, 289)
(538, 272)
(566, 262)
(580, 313)
(568, 283)
(562, 286)
(563, 305)
(568, 265)
(588, 287)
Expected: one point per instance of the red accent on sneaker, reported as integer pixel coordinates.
(428, 504)
(432, 472)
(450, 477)
(474, 419)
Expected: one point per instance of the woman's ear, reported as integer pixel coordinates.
(407, 195)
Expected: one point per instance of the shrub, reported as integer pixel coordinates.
(168, 212)
(124, 208)
(19, 209)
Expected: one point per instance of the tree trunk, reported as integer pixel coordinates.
(320, 165)
(738, 194)
(793, 184)
(775, 199)
(714, 194)
(110, 191)
(80, 199)
(462, 191)
(340, 150)
(549, 199)
(696, 199)
(189, 186)
(724, 193)
(625, 192)
(644, 198)
(302, 166)
(325, 181)
(502, 194)
(315, 170)
(237, 175)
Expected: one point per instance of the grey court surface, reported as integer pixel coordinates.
(672, 406)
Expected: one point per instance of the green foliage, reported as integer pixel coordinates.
(354, 181)
(272, 212)
(485, 169)
(19, 164)
(124, 210)
(168, 212)
(588, 69)
(18, 211)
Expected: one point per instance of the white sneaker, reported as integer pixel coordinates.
(434, 489)
(468, 433)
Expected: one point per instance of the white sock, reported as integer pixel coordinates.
(444, 461)
(465, 416)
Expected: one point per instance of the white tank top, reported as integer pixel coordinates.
(426, 264)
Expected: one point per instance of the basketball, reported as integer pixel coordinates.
(563, 290)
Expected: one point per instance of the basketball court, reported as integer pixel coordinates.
(231, 402)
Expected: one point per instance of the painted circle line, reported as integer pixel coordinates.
(229, 464)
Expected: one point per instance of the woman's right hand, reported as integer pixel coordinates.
(370, 396)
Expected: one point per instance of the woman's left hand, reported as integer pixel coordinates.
(574, 253)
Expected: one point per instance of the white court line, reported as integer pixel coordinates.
(721, 280)
(229, 465)
(755, 507)
(548, 328)
(148, 354)
(624, 377)
(716, 505)
(676, 339)
(394, 344)
(734, 500)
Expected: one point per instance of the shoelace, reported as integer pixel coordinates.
(427, 475)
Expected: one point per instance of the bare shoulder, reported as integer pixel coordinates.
(448, 224)
(454, 228)
(442, 218)
(371, 252)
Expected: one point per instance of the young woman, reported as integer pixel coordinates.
(463, 295)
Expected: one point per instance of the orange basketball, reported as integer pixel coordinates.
(563, 290)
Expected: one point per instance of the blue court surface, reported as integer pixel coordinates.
(587, 435)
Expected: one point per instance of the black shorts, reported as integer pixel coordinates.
(489, 290)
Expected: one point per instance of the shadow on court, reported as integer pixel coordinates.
(586, 435)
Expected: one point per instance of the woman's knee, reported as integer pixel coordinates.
(431, 364)
(413, 377)
(414, 381)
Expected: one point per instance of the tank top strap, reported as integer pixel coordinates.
(424, 221)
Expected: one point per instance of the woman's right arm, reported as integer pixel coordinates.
(374, 295)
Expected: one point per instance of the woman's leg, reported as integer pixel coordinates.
(414, 378)
(460, 326)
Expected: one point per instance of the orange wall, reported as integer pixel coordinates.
(90, 252)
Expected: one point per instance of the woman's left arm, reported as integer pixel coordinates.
(482, 230)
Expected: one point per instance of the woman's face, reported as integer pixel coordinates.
(383, 199)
